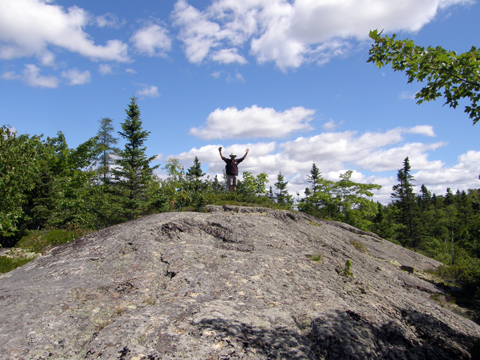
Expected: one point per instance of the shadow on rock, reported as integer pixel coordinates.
(343, 335)
(346, 335)
(277, 343)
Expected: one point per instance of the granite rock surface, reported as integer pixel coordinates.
(232, 283)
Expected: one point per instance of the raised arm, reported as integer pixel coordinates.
(220, 151)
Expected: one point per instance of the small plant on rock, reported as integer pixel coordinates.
(348, 266)
(316, 257)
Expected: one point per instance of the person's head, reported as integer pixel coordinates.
(233, 156)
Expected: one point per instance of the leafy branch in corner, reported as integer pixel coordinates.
(446, 74)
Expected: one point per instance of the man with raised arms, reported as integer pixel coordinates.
(231, 168)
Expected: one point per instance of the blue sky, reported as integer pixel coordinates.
(287, 79)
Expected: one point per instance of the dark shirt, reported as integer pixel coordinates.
(231, 168)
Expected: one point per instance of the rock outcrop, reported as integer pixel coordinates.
(233, 283)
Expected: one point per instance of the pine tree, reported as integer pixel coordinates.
(408, 211)
(134, 172)
(106, 143)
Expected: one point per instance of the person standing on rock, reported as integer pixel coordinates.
(232, 168)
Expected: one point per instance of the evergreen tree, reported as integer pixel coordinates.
(314, 176)
(216, 186)
(408, 213)
(106, 144)
(134, 171)
(425, 198)
(270, 194)
(449, 197)
(282, 196)
(194, 176)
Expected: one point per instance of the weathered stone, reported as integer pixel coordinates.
(234, 283)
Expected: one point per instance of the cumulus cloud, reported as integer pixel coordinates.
(149, 91)
(30, 27)
(254, 122)
(31, 77)
(290, 33)
(152, 40)
(130, 71)
(75, 77)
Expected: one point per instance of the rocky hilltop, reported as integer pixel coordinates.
(232, 283)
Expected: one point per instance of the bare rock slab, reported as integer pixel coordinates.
(233, 283)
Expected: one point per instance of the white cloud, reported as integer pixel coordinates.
(31, 76)
(130, 71)
(228, 56)
(152, 40)
(290, 33)
(149, 91)
(10, 75)
(197, 32)
(30, 27)
(216, 74)
(254, 122)
(426, 130)
(75, 77)
(331, 125)
(105, 69)
(109, 20)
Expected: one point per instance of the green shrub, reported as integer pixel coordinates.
(8, 264)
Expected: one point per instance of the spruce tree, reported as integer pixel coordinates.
(408, 211)
(314, 176)
(194, 176)
(282, 196)
(134, 172)
(106, 144)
